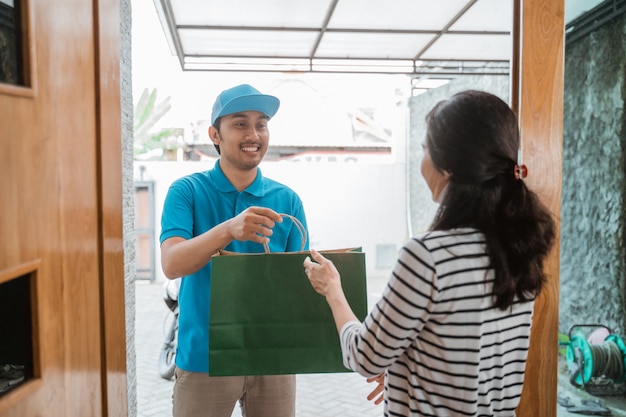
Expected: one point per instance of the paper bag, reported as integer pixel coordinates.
(266, 318)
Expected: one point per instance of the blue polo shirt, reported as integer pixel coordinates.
(198, 202)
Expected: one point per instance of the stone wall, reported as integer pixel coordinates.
(128, 209)
(594, 185)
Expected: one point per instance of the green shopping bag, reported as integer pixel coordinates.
(266, 318)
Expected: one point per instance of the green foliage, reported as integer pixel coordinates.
(146, 114)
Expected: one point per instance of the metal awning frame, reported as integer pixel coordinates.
(416, 67)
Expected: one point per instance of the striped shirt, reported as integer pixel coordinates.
(446, 350)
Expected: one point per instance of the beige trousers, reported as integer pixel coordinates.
(200, 395)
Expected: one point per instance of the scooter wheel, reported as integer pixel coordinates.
(167, 356)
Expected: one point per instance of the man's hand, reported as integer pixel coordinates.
(254, 224)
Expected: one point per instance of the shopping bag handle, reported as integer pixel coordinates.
(299, 226)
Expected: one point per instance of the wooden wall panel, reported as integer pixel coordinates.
(49, 183)
(541, 123)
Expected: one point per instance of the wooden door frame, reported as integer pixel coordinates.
(108, 40)
(537, 76)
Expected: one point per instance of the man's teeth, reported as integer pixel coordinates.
(250, 148)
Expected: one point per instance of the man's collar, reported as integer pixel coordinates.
(224, 185)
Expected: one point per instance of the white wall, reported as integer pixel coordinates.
(347, 204)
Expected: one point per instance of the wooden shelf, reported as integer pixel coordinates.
(20, 337)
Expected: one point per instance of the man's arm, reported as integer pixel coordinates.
(181, 257)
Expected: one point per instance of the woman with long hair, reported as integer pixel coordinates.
(451, 332)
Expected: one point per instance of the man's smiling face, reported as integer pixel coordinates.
(243, 139)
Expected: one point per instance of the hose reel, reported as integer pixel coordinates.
(597, 366)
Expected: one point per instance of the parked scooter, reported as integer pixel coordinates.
(168, 350)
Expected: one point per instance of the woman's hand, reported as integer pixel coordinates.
(322, 274)
(325, 279)
(378, 394)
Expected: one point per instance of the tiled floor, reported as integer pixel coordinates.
(318, 395)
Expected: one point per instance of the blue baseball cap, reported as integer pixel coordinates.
(243, 97)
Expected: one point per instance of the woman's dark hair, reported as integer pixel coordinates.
(474, 138)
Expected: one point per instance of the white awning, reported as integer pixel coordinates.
(421, 37)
